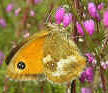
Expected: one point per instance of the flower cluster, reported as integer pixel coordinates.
(89, 26)
(62, 17)
(18, 10)
(66, 18)
(10, 7)
(94, 12)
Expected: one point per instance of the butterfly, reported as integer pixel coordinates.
(49, 54)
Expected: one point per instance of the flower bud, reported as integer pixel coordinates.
(93, 11)
(17, 11)
(2, 22)
(105, 18)
(79, 29)
(32, 13)
(9, 8)
(100, 6)
(67, 19)
(59, 15)
(89, 74)
(89, 26)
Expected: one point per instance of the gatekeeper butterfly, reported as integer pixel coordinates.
(49, 54)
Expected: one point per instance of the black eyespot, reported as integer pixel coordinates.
(21, 65)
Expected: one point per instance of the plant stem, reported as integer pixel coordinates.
(103, 79)
(73, 86)
(100, 57)
(77, 5)
(42, 86)
(25, 18)
(42, 89)
(5, 86)
(48, 14)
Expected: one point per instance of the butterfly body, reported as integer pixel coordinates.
(49, 54)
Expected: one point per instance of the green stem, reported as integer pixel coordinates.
(5, 86)
(103, 79)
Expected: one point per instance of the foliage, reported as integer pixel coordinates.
(17, 27)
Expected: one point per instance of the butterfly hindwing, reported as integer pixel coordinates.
(62, 59)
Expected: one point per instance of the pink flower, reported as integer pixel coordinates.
(105, 18)
(79, 29)
(89, 26)
(93, 11)
(100, 6)
(104, 65)
(86, 90)
(98, 17)
(32, 13)
(59, 15)
(9, 8)
(67, 19)
(17, 11)
(83, 77)
(90, 57)
(26, 34)
(37, 1)
(2, 22)
(89, 74)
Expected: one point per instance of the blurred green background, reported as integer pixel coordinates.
(13, 34)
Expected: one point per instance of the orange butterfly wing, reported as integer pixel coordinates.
(31, 53)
